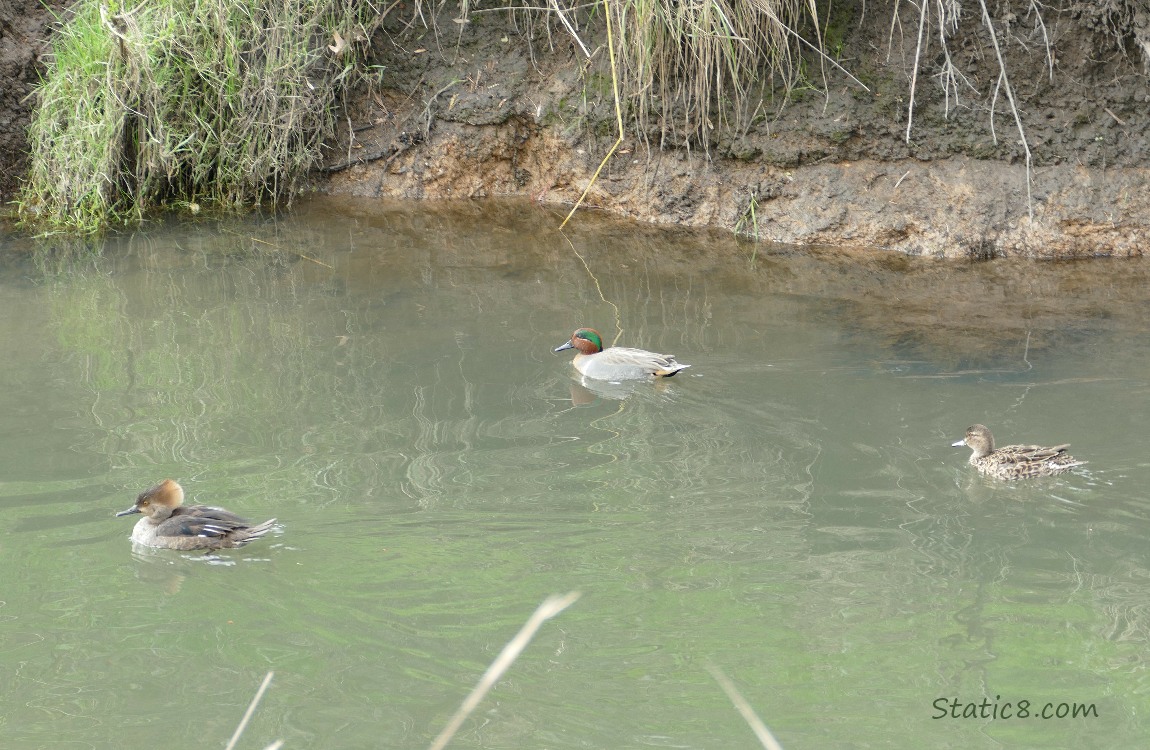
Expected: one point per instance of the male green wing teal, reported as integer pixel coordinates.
(617, 362)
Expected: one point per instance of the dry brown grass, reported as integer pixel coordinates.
(692, 66)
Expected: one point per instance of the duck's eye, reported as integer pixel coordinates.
(145, 503)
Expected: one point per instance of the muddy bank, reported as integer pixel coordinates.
(494, 112)
(951, 207)
(509, 105)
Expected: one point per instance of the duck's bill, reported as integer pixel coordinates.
(561, 347)
(128, 512)
(959, 444)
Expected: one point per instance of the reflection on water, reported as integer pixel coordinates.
(380, 378)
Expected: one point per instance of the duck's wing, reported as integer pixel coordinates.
(1032, 453)
(650, 363)
(203, 521)
(1020, 461)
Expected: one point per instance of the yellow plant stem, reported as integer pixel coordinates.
(618, 115)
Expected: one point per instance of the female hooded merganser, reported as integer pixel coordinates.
(170, 525)
(617, 362)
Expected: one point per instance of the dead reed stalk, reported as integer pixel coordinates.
(550, 607)
(766, 739)
(248, 715)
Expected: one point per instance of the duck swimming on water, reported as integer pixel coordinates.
(169, 524)
(617, 362)
(1014, 461)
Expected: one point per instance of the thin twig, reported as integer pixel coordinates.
(824, 56)
(251, 710)
(570, 28)
(618, 114)
(949, 75)
(539, 8)
(374, 155)
(350, 137)
(550, 607)
(598, 288)
(914, 72)
(427, 108)
(277, 247)
(993, 104)
(766, 739)
(1117, 119)
(894, 20)
(1046, 39)
(1013, 105)
(293, 252)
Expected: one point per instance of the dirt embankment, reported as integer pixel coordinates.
(509, 105)
(482, 111)
(23, 44)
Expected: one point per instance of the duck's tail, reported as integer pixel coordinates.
(669, 372)
(242, 537)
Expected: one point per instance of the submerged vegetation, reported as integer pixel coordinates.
(192, 102)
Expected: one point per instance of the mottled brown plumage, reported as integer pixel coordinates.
(1015, 461)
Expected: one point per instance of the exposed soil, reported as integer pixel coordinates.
(23, 35)
(486, 112)
(508, 105)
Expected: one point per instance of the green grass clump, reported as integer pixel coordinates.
(206, 102)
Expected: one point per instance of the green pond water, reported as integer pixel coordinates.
(787, 512)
